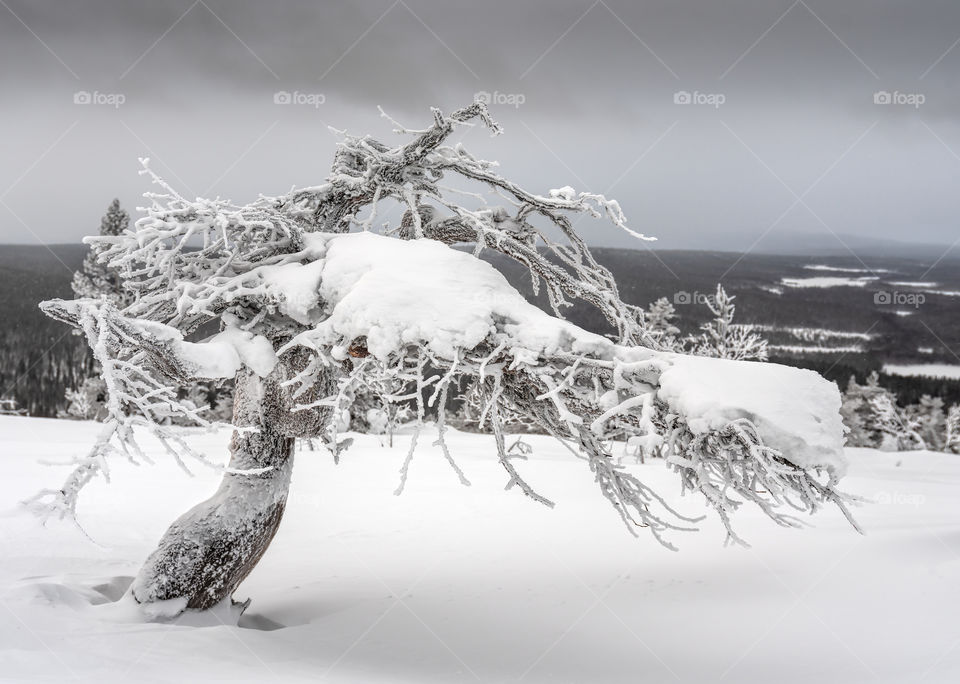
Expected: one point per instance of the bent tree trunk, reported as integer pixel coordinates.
(211, 548)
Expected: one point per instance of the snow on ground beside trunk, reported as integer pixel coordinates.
(449, 584)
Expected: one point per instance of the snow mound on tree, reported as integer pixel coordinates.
(398, 293)
(407, 292)
(795, 410)
(221, 355)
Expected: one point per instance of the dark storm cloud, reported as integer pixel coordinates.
(787, 138)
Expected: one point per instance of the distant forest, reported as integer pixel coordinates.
(41, 358)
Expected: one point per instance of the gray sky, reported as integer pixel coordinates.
(798, 144)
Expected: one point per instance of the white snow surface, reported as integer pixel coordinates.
(816, 349)
(400, 292)
(221, 355)
(448, 584)
(822, 267)
(930, 370)
(814, 334)
(827, 281)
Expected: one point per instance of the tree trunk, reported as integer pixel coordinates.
(211, 548)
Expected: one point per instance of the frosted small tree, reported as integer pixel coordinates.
(95, 277)
(8, 407)
(658, 319)
(855, 412)
(314, 305)
(871, 413)
(952, 436)
(928, 419)
(885, 422)
(87, 402)
(98, 279)
(722, 338)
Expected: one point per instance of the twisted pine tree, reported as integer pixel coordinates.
(314, 307)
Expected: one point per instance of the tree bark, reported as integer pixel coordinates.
(210, 549)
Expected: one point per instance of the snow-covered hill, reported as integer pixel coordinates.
(449, 584)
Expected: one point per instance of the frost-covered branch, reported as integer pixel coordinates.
(143, 365)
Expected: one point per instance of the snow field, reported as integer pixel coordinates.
(450, 584)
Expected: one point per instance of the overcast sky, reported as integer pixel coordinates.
(782, 134)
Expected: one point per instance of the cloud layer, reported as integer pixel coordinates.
(717, 124)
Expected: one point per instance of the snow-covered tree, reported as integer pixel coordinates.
(8, 407)
(658, 319)
(98, 279)
(928, 419)
(87, 402)
(894, 432)
(874, 420)
(722, 338)
(855, 413)
(952, 439)
(309, 312)
(95, 277)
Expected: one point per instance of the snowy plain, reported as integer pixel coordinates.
(828, 281)
(448, 584)
(927, 370)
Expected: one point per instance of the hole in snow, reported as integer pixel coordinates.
(261, 622)
(113, 589)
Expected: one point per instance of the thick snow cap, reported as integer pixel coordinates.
(796, 411)
(398, 293)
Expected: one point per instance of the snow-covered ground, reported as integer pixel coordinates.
(449, 584)
(815, 334)
(812, 349)
(827, 281)
(912, 283)
(930, 370)
(821, 267)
